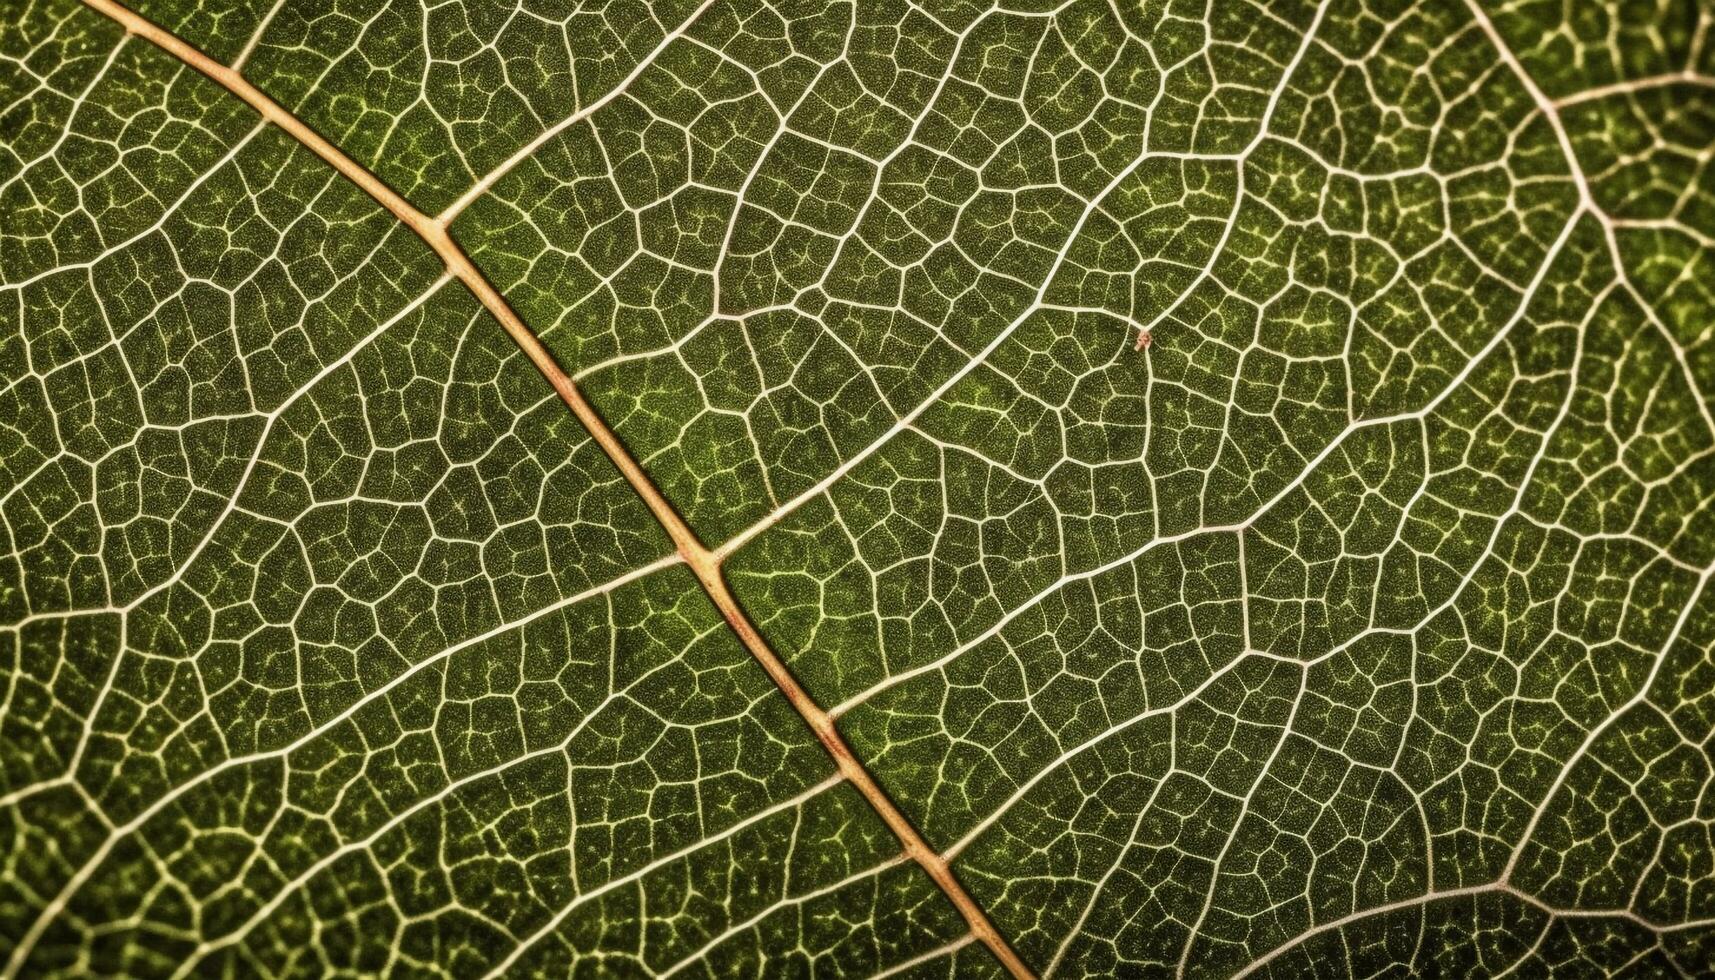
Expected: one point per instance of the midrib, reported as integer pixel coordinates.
(703, 561)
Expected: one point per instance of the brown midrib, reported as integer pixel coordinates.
(704, 562)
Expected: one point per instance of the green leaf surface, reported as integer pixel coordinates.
(1358, 623)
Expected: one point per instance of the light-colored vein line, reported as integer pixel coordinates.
(1634, 85)
(1471, 891)
(75, 107)
(167, 214)
(192, 961)
(1523, 307)
(256, 35)
(1245, 810)
(232, 506)
(707, 568)
(433, 235)
(950, 949)
(1037, 303)
(1551, 113)
(659, 863)
(82, 875)
(739, 928)
(1066, 756)
(1311, 466)
(1101, 885)
(1596, 732)
(1191, 696)
(704, 562)
(489, 179)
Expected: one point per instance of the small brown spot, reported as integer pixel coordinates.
(1144, 340)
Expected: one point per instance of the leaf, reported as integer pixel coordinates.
(881, 604)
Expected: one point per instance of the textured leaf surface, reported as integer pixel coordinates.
(1357, 622)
